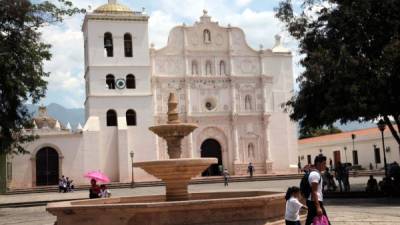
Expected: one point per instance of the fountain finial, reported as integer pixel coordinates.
(173, 116)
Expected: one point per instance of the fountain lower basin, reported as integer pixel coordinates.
(211, 208)
(176, 174)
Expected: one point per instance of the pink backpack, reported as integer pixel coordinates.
(320, 220)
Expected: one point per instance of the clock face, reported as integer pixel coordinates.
(120, 83)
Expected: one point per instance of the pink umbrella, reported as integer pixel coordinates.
(98, 176)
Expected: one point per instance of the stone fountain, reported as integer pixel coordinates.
(175, 172)
(178, 206)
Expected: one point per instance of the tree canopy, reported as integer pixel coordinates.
(351, 58)
(22, 52)
(316, 132)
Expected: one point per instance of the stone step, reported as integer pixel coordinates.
(200, 180)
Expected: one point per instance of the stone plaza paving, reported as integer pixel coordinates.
(341, 211)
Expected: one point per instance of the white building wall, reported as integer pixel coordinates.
(363, 144)
(70, 159)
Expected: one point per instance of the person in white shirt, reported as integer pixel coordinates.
(316, 198)
(104, 192)
(293, 206)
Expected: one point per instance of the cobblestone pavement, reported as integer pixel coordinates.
(364, 211)
(341, 211)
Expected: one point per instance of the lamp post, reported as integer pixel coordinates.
(353, 137)
(382, 126)
(345, 153)
(132, 182)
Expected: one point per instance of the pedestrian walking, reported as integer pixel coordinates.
(293, 206)
(345, 173)
(339, 175)
(226, 177)
(315, 197)
(299, 167)
(250, 170)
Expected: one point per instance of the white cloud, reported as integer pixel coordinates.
(243, 2)
(159, 26)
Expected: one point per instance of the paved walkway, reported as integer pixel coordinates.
(275, 185)
(341, 211)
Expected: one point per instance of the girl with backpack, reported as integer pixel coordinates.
(293, 206)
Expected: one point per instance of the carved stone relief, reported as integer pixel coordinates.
(169, 65)
(219, 40)
(210, 84)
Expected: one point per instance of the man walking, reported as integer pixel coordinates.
(250, 170)
(315, 200)
(226, 176)
(339, 175)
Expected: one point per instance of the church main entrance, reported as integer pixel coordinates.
(212, 148)
(47, 171)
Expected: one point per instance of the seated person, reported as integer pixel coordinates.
(372, 185)
(104, 192)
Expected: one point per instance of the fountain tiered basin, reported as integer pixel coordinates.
(177, 206)
(211, 208)
(176, 173)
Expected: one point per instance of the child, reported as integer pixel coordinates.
(104, 192)
(293, 206)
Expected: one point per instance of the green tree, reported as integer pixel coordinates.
(351, 58)
(316, 132)
(22, 53)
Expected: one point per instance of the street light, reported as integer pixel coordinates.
(353, 136)
(132, 182)
(382, 126)
(345, 153)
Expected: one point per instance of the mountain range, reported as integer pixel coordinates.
(64, 115)
(77, 115)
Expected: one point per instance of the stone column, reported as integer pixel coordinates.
(187, 96)
(267, 152)
(233, 96)
(235, 136)
(190, 145)
(266, 86)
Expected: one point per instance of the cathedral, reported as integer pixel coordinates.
(233, 92)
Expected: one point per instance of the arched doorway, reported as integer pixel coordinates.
(212, 148)
(47, 167)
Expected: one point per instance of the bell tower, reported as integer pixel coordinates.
(119, 100)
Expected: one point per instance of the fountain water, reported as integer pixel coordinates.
(177, 207)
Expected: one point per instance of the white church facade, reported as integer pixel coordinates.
(233, 92)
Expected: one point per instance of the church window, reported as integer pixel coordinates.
(195, 68)
(131, 117)
(128, 45)
(208, 68)
(247, 103)
(111, 118)
(110, 81)
(207, 36)
(108, 45)
(250, 150)
(222, 68)
(130, 81)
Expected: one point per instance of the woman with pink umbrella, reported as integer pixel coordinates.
(96, 176)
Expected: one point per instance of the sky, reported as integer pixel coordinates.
(66, 83)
